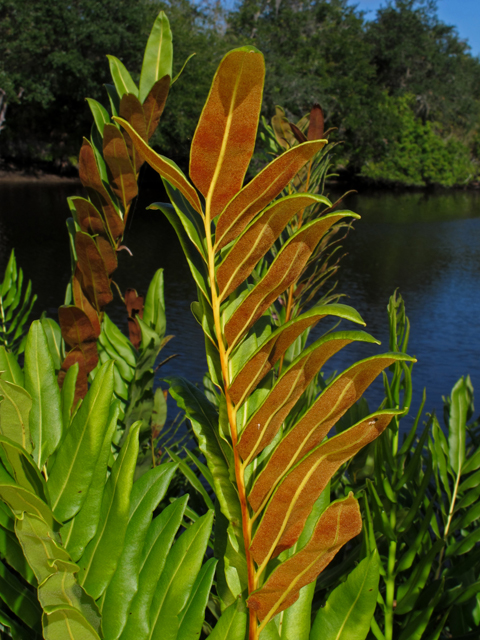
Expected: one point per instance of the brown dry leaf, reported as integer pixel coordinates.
(88, 217)
(293, 500)
(299, 136)
(285, 269)
(94, 271)
(312, 428)
(134, 332)
(254, 243)
(266, 421)
(164, 166)
(131, 110)
(76, 326)
(269, 353)
(134, 304)
(81, 301)
(154, 104)
(80, 334)
(224, 139)
(338, 524)
(91, 180)
(108, 254)
(316, 126)
(73, 356)
(123, 179)
(260, 191)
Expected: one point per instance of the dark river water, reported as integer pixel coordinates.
(426, 245)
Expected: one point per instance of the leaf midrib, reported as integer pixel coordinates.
(92, 406)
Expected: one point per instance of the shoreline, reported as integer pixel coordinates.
(31, 176)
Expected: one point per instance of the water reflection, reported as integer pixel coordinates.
(426, 245)
(429, 247)
(32, 220)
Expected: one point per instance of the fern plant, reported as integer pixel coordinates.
(275, 530)
(421, 509)
(84, 552)
(109, 169)
(16, 304)
(322, 265)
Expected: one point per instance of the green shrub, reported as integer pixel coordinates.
(417, 153)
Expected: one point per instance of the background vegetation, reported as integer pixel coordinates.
(403, 89)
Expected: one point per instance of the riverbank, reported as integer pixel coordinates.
(28, 177)
(37, 172)
(49, 173)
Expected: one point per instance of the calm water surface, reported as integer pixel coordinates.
(426, 245)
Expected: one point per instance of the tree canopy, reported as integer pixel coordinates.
(398, 88)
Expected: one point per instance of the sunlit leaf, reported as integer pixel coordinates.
(193, 614)
(64, 622)
(121, 77)
(260, 191)
(158, 56)
(285, 269)
(178, 577)
(54, 339)
(62, 590)
(258, 238)
(164, 166)
(317, 422)
(14, 414)
(160, 537)
(348, 611)
(67, 393)
(224, 140)
(232, 623)
(40, 382)
(100, 114)
(293, 499)
(457, 425)
(23, 468)
(78, 453)
(9, 368)
(339, 523)
(101, 556)
(147, 492)
(265, 422)
(78, 532)
(154, 308)
(270, 351)
(42, 547)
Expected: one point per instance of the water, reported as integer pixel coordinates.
(426, 245)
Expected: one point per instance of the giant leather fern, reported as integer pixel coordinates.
(267, 481)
